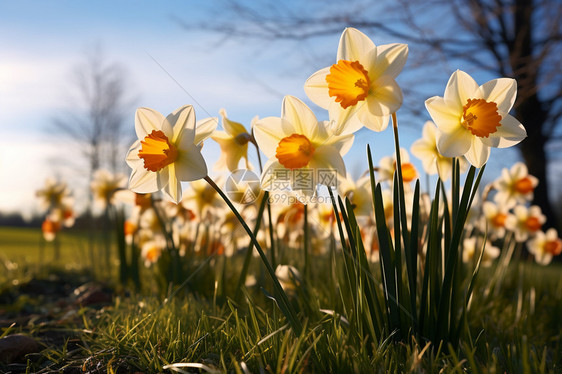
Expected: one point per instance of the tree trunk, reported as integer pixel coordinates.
(532, 149)
(530, 110)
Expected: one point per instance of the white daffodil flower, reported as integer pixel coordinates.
(360, 88)
(233, 142)
(104, 186)
(302, 151)
(434, 162)
(472, 248)
(526, 222)
(473, 118)
(168, 151)
(359, 194)
(545, 246)
(496, 217)
(515, 186)
(387, 167)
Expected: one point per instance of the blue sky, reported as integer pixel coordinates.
(41, 42)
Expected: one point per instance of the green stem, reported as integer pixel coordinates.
(282, 299)
(306, 246)
(270, 220)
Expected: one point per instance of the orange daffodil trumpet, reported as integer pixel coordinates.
(168, 151)
(360, 88)
(298, 141)
(473, 118)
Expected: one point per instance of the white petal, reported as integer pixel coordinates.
(426, 153)
(328, 157)
(316, 88)
(268, 133)
(163, 177)
(190, 164)
(444, 167)
(445, 116)
(489, 209)
(231, 127)
(478, 153)
(390, 59)
(501, 91)
(341, 143)
(518, 171)
(133, 154)
(510, 133)
(345, 121)
(385, 98)
(299, 115)
(372, 122)
(183, 122)
(148, 120)
(173, 187)
(503, 197)
(460, 88)
(429, 131)
(143, 181)
(354, 46)
(454, 144)
(204, 129)
(271, 179)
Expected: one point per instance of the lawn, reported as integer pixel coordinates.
(26, 245)
(515, 328)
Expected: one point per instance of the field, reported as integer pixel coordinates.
(517, 329)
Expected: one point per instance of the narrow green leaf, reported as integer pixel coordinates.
(411, 254)
(386, 262)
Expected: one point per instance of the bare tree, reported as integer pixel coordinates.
(93, 122)
(521, 39)
(98, 104)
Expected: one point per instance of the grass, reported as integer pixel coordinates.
(515, 330)
(26, 245)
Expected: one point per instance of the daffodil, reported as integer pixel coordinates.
(358, 193)
(104, 186)
(545, 246)
(527, 221)
(201, 198)
(54, 195)
(360, 88)
(472, 248)
(151, 250)
(233, 142)
(168, 151)
(50, 229)
(302, 151)
(426, 150)
(387, 167)
(473, 118)
(289, 277)
(496, 216)
(515, 186)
